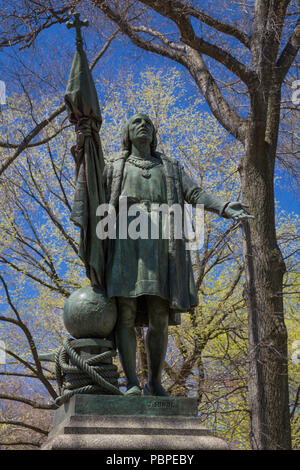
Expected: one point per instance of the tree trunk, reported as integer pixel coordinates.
(268, 379)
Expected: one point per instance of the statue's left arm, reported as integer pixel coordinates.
(193, 194)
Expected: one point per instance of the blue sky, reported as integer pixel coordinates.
(53, 45)
(56, 46)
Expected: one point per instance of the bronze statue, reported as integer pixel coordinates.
(151, 279)
(156, 274)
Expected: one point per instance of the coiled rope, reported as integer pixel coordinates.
(75, 375)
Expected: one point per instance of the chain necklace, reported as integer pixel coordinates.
(144, 164)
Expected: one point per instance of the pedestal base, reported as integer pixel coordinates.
(93, 422)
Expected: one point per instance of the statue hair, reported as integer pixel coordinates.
(126, 142)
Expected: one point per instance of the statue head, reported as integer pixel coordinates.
(134, 127)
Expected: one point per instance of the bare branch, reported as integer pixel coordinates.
(27, 139)
(17, 374)
(296, 403)
(19, 359)
(192, 60)
(9, 145)
(20, 443)
(24, 144)
(160, 36)
(31, 343)
(204, 18)
(289, 53)
(104, 48)
(33, 404)
(25, 425)
(129, 30)
(28, 38)
(176, 11)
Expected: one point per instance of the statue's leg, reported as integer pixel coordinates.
(126, 339)
(156, 343)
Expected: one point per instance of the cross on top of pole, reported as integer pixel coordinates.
(77, 24)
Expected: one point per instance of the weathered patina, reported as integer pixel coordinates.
(151, 279)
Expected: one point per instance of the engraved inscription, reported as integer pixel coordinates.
(161, 404)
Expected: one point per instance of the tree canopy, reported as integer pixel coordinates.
(232, 123)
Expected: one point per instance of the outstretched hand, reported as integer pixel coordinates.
(237, 211)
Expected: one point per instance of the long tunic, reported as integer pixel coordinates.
(139, 266)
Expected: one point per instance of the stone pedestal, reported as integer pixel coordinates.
(94, 422)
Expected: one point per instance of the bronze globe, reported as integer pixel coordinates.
(89, 314)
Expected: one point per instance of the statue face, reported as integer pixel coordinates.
(140, 128)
